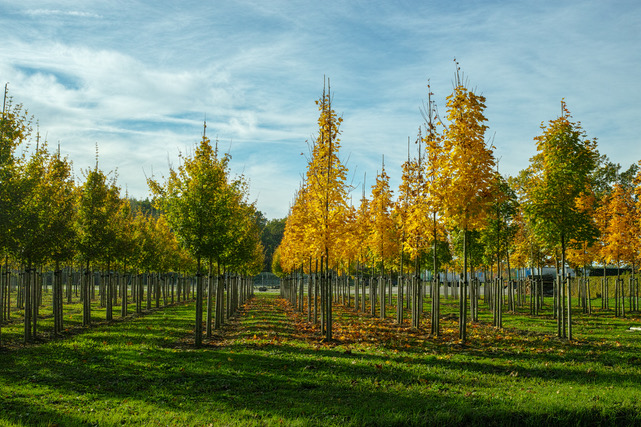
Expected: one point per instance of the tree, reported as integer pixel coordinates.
(413, 224)
(323, 202)
(98, 205)
(383, 238)
(619, 237)
(362, 228)
(58, 194)
(435, 183)
(467, 171)
(560, 174)
(496, 238)
(196, 198)
(15, 129)
(29, 247)
(271, 236)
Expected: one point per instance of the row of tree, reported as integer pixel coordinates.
(49, 221)
(455, 211)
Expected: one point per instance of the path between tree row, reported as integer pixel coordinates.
(266, 317)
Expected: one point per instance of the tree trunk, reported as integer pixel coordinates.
(310, 287)
(27, 285)
(210, 299)
(199, 305)
(463, 293)
(567, 293)
(86, 297)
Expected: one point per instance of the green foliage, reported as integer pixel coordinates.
(58, 194)
(208, 211)
(271, 236)
(475, 247)
(277, 268)
(560, 174)
(195, 199)
(443, 256)
(144, 206)
(98, 207)
(498, 234)
(15, 129)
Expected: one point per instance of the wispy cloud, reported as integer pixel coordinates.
(58, 13)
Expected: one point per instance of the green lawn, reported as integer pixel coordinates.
(270, 367)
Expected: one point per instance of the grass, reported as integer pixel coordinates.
(270, 367)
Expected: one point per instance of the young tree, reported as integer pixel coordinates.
(560, 175)
(98, 204)
(195, 199)
(326, 199)
(496, 238)
(361, 235)
(59, 195)
(14, 130)
(271, 236)
(435, 183)
(384, 238)
(469, 173)
(619, 237)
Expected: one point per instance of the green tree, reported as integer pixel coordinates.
(58, 193)
(560, 175)
(496, 238)
(271, 236)
(195, 198)
(15, 130)
(98, 205)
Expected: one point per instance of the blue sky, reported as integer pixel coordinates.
(139, 77)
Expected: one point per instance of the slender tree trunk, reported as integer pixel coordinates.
(124, 299)
(27, 303)
(317, 285)
(436, 292)
(86, 297)
(310, 287)
(399, 289)
(328, 328)
(357, 283)
(57, 299)
(199, 305)
(416, 295)
(463, 293)
(210, 299)
(568, 292)
(220, 295)
(381, 289)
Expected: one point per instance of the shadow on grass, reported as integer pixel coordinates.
(274, 377)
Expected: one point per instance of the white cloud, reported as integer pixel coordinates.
(57, 13)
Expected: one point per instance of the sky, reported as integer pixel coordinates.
(137, 79)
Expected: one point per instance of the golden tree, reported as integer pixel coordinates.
(361, 235)
(324, 202)
(383, 242)
(469, 172)
(619, 236)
